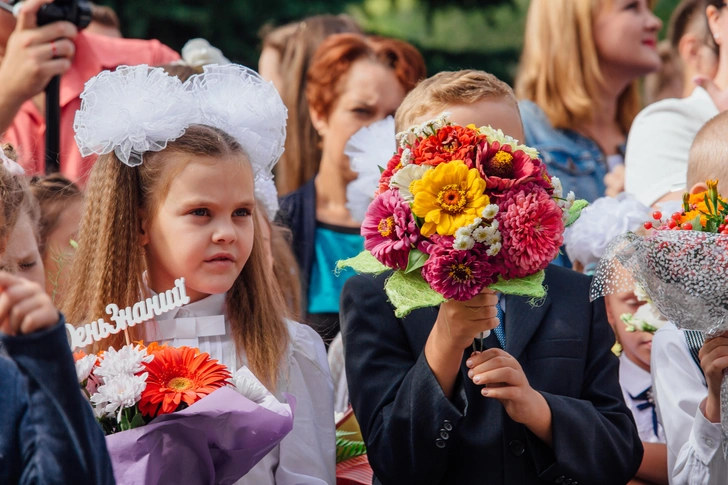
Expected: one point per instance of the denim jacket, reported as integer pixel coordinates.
(48, 433)
(575, 159)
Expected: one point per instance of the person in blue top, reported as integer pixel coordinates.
(577, 83)
(353, 81)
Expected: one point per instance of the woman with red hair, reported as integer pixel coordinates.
(354, 81)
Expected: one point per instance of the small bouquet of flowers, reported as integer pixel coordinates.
(682, 265)
(460, 209)
(647, 318)
(173, 415)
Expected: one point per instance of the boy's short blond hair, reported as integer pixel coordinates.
(444, 89)
(708, 159)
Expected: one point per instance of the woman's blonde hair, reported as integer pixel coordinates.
(559, 68)
(15, 199)
(109, 264)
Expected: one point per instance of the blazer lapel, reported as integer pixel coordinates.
(522, 320)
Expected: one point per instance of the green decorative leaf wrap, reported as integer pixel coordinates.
(363, 262)
(409, 292)
(530, 286)
(575, 211)
(417, 260)
(346, 449)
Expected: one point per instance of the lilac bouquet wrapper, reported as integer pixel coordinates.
(217, 440)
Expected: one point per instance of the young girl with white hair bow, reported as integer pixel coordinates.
(173, 195)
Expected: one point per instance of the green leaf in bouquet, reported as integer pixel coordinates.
(363, 262)
(381, 169)
(137, 421)
(530, 286)
(124, 424)
(417, 260)
(697, 224)
(409, 292)
(575, 211)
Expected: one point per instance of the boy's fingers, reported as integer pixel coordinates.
(23, 308)
(37, 319)
(507, 393)
(485, 356)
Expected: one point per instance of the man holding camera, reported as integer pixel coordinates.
(30, 56)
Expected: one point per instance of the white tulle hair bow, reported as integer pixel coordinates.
(604, 219)
(139, 109)
(11, 166)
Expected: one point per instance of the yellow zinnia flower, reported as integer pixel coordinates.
(449, 197)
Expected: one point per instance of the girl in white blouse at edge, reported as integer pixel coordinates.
(188, 210)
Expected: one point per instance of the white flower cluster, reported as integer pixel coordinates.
(404, 138)
(498, 135)
(119, 386)
(483, 230)
(564, 203)
(405, 177)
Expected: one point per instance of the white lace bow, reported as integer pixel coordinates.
(138, 109)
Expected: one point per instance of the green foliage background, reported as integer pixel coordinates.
(452, 34)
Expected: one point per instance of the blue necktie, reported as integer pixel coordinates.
(649, 403)
(500, 330)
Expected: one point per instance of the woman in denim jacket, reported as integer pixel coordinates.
(578, 82)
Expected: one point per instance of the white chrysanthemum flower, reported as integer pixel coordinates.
(558, 188)
(463, 243)
(494, 238)
(480, 234)
(118, 393)
(84, 366)
(490, 211)
(571, 198)
(405, 177)
(641, 294)
(406, 157)
(476, 223)
(494, 225)
(464, 231)
(494, 135)
(127, 361)
(494, 249)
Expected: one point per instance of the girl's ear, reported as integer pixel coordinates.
(319, 121)
(143, 231)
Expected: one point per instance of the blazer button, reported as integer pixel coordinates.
(440, 443)
(560, 480)
(447, 425)
(517, 448)
(444, 435)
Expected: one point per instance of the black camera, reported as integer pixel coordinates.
(78, 12)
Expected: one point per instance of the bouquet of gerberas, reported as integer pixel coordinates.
(174, 415)
(460, 209)
(682, 264)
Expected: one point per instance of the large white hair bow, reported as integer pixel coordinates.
(138, 109)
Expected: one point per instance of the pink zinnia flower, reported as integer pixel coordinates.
(502, 168)
(390, 231)
(532, 230)
(458, 275)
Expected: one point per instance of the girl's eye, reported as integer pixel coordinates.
(632, 6)
(361, 111)
(242, 213)
(199, 212)
(27, 266)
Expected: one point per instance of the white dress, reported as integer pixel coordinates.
(694, 456)
(656, 161)
(308, 454)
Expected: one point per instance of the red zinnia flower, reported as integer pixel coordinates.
(450, 143)
(179, 375)
(393, 166)
(502, 168)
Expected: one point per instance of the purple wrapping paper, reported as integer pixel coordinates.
(217, 440)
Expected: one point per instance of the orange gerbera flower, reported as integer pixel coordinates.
(698, 207)
(179, 375)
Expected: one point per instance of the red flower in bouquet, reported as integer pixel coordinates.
(179, 375)
(390, 230)
(449, 143)
(393, 166)
(532, 227)
(502, 167)
(458, 275)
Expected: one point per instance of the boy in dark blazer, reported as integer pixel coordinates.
(540, 402)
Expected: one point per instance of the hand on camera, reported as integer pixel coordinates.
(34, 55)
(24, 306)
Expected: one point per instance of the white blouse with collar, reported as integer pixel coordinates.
(308, 454)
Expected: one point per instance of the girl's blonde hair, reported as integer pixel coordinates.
(53, 193)
(109, 264)
(559, 69)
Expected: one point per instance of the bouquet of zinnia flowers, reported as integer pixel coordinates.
(682, 265)
(149, 401)
(460, 209)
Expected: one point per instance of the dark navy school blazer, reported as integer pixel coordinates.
(48, 433)
(416, 435)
